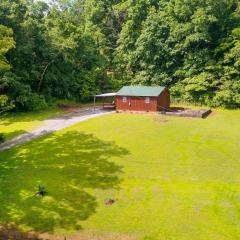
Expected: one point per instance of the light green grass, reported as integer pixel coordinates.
(178, 180)
(15, 124)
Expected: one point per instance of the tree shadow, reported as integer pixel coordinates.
(13, 134)
(13, 117)
(70, 166)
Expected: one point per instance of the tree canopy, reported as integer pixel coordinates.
(65, 49)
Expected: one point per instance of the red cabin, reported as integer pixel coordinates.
(142, 98)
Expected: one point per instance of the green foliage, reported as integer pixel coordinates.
(13, 124)
(169, 179)
(5, 104)
(55, 57)
(2, 138)
(6, 43)
(184, 45)
(41, 191)
(24, 98)
(228, 95)
(65, 49)
(199, 88)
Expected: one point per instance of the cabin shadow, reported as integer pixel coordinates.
(70, 166)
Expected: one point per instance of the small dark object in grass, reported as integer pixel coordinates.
(109, 202)
(41, 191)
(2, 138)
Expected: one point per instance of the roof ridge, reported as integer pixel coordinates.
(139, 90)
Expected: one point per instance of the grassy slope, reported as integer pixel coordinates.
(175, 180)
(15, 124)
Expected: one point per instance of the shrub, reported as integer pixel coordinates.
(41, 191)
(2, 138)
(31, 102)
(5, 104)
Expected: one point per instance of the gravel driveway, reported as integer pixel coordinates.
(53, 125)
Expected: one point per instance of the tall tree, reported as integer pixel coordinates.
(104, 19)
(6, 43)
(173, 43)
(67, 49)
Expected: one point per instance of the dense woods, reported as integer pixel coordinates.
(72, 49)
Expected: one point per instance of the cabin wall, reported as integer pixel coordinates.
(136, 104)
(164, 100)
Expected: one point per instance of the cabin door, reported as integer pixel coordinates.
(137, 104)
(125, 102)
(134, 104)
(147, 102)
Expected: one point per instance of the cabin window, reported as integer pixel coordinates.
(147, 99)
(124, 99)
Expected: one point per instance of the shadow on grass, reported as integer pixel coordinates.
(13, 134)
(70, 166)
(11, 118)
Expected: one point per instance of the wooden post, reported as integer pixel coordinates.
(94, 100)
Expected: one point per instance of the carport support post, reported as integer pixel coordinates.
(94, 105)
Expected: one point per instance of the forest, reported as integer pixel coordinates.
(73, 49)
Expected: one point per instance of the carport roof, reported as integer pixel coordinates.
(140, 91)
(106, 95)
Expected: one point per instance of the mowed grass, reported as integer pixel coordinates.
(14, 124)
(172, 178)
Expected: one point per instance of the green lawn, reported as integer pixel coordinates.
(174, 180)
(18, 123)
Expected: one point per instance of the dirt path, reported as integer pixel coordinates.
(53, 125)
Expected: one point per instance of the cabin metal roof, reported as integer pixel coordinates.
(140, 91)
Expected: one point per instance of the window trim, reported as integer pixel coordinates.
(124, 99)
(147, 100)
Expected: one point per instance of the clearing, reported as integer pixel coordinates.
(170, 179)
(15, 124)
(52, 125)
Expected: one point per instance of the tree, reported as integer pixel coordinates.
(55, 57)
(5, 104)
(229, 89)
(65, 50)
(6, 43)
(173, 43)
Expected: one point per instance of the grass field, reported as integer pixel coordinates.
(18, 123)
(172, 179)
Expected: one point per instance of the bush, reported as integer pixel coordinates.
(2, 138)
(22, 95)
(5, 104)
(228, 96)
(31, 102)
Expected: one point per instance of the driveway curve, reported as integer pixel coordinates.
(53, 125)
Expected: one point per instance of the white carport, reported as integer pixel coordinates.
(104, 95)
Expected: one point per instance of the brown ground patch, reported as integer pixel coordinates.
(160, 119)
(90, 236)
(11, 232)
(188, 112)
(70, 109)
